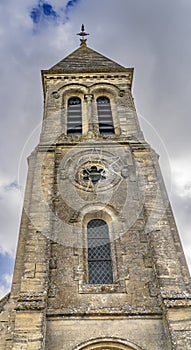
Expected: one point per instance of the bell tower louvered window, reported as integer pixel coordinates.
(99, 253)
(105, 119)
(74, 122)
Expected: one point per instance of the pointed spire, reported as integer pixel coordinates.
(82, 35)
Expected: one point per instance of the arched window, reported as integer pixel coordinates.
(99, 253)
(105, 119)
(74, 122)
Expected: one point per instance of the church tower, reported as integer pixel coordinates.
(99, 263)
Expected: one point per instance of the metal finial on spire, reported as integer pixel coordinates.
(82, 35)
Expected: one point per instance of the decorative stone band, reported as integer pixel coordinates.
(31, 301)
(178, 303)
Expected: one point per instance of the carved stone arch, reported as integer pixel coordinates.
(96, 211)
(67, 92)
(78, 90)
(73, 86)
(108, 344)
(57, 91)
(104, 87)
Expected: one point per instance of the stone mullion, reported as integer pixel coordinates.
(95, 117)
(88, 99)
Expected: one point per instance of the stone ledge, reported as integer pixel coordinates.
(31, 301)
(177, 303)
(110, 312)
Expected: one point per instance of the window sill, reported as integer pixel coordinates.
(85, 288)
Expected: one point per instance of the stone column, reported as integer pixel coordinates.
(95, 118)
(88, 99)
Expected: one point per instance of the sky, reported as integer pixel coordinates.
(150, 35)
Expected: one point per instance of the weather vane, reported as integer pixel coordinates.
(82, 34)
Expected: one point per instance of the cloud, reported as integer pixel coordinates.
(10, 210)
(182, 210)
(12, 186)
(6, 267)
(5, 285)
(181, 173)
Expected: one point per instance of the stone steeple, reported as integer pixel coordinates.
(99, 263)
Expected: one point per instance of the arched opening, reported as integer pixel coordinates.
(105, 119)
(74, 122)
(99, 253)
(108, 344)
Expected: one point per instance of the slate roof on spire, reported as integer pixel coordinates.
(85, 59)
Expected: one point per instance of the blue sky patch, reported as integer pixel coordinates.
(6, 264)
(44, 12)
(6, 270)
(71, 3)
(35, 15)
(69, 6)
(48, 10)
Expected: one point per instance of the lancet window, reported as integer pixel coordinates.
(74, 122)
(99, 253)
(105, 119)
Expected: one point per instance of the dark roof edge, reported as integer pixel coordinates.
(102, 70)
